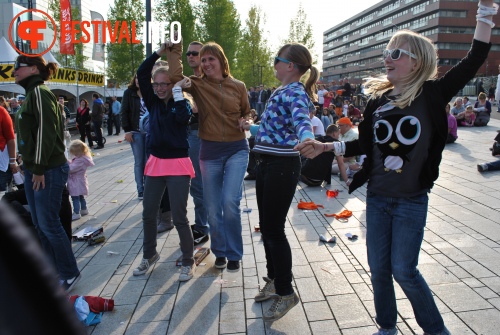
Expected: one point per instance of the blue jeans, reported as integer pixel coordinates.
(493, 166)
(196, 191)
(139, 152)
(222, 192)
(395, 230)
(44, 206)
(78, 203)
(277, 179)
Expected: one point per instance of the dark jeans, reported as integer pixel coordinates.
(277, 179)
(85, 132)
(17, 200)
(114, 119)
(98, 132)
(252, 163)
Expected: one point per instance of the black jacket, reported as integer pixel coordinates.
(437, 94)
(130, 110)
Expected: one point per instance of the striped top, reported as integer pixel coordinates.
(285, 122)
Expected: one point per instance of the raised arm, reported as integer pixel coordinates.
(486, 10)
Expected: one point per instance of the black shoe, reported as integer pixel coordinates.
(110, 134)
(198, 236)
(250, 177)
(99, 147)
(233, 266)
(220, 262)
(116, 134)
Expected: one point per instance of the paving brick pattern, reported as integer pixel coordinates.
(459, 258)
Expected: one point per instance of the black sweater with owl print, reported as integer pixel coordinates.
(437, 94)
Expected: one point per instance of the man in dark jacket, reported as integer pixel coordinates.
(97, 116)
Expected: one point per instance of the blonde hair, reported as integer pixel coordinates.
(425, 69)
(481, 96)
(300, 56)
(78, 148)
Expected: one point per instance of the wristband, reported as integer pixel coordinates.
(13, 163)
(325, 147)
(177, 92)
(484, 11)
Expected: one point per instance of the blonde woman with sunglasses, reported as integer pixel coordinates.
(403, 135)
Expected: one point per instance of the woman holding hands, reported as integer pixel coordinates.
(403, 135)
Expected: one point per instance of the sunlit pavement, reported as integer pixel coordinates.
(459, 258)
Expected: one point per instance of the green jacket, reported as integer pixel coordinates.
(39, 125)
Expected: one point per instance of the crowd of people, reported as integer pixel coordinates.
(187, 136)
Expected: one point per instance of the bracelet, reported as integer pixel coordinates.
(325, 147)
(12, 159)
(484, 11)
(13, 163)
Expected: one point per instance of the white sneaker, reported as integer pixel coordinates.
(145, 265)
(75, 217)
(187, 272)
(84, 212)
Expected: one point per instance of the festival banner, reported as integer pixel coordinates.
(97, 48)
(63, 75)
(66, 47)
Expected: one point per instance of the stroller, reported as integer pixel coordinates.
(92, 131)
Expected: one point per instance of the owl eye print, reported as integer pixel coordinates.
(396, 136)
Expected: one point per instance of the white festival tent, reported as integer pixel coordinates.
(8, 53)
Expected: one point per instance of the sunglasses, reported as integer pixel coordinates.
(279, 59)
(18, 65)
(396, 53)
(194, 53)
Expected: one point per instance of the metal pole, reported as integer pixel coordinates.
(149, 46)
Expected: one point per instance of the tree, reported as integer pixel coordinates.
(253, 63)
(124, 58)
(301, 31)
(219, 22)
(73, 61)
(181, 11)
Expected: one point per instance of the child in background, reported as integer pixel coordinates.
(78, 185)
(466, 118)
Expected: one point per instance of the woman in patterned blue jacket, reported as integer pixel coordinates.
(284, 124)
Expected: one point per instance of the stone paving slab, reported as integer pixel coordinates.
(459, 257)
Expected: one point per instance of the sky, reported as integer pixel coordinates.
(321, 14)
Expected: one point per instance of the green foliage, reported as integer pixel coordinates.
(219, 22)
(74, 61)
(254, 58)
(181, 11)
(301, 32)
(124, 58)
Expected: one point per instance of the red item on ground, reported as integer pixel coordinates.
(96, 304)
(332, 193)
(308, 205)
(345, 214)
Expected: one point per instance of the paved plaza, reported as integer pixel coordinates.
(460, 257)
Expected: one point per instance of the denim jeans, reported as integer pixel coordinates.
(395, 230)
(196, 191)
(493, 166)
(44, 206)
(222, 192)
(154, 190)
(78, 203)
(139, 152)
(98, 132)
(277, 179)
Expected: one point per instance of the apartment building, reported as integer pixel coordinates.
(354, 47)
